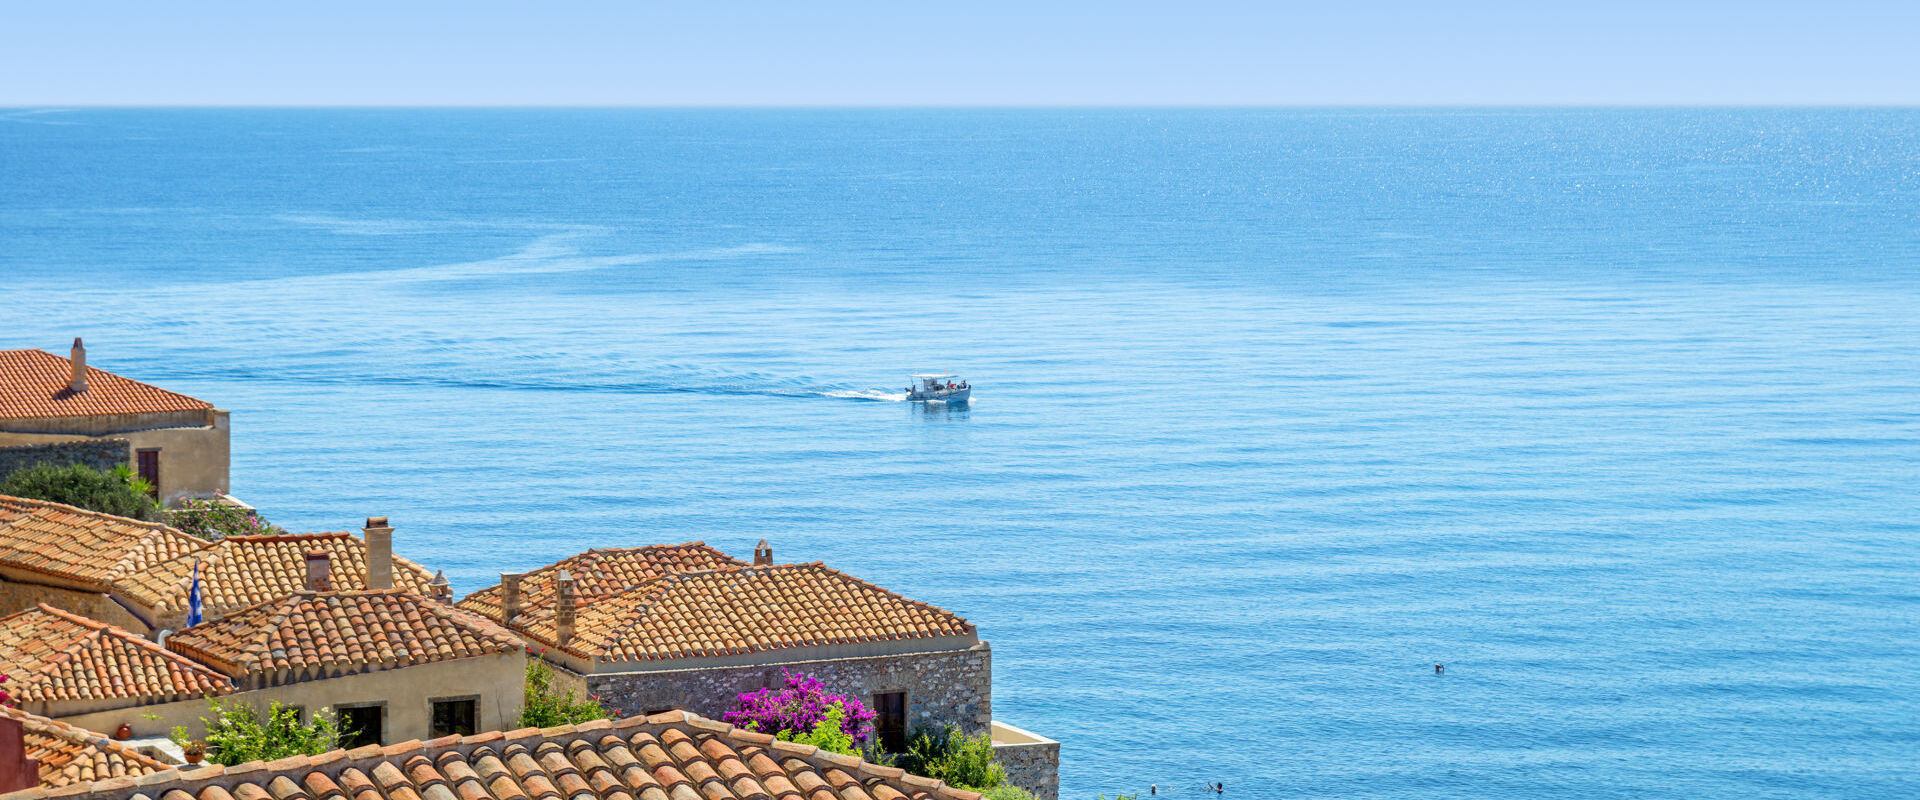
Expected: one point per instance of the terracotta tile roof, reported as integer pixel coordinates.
(242, 571)
(326, 630)
(670, 756)
(80, 545)
(33, 383)
(52, 655)
(742, 610)
(70, 755)
(605, 571)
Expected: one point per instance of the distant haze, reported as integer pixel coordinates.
(983, 53)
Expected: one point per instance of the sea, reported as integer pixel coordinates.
(1613, 412)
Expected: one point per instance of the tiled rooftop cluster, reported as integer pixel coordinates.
(151, 565)
(605, 571)
(315, 634)
(70, 755)
(50, 655)
(241, 571)
(83, 547)
(668, 756)
(35, 383)
(742, 610)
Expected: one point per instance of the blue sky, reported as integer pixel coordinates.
(827, 52)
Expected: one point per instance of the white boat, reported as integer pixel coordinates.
(943, 387)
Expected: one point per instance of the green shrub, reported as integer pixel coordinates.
(827, 735)
(947, 754)
(547, 706)
(237, 735)
(1006, 791)
(117, 491)
(213, 520)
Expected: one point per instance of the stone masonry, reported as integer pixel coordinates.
(100, 454)
(951, 687)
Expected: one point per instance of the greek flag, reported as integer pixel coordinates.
(193, 597)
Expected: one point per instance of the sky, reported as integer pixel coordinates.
(980, 53)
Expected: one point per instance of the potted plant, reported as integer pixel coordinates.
(196, 751)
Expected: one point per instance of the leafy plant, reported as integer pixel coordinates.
(118, 491)
(1007, 791)
(947, 754)
(213, 520)
(547, 706)
(236, 734)
(798, 708)
(829, 735)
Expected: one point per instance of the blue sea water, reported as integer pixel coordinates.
(1615, 413)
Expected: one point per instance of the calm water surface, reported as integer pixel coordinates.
(1615, 413)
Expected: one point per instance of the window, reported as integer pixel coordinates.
(890, 720)
(455, 717)
(299, 713)
(361, 725)
(149, 464)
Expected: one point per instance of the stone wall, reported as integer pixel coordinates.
(950, 687)
(100, 454)
(17, 596)
(1032, 761)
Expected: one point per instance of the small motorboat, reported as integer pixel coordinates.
(941, 388)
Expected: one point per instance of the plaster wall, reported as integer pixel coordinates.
(19, 592)
(497, 681)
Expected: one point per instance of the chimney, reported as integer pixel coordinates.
(563, 608)
(319, 571)
(439, 587)
(763, 554)
(17, 771)
(78, 383)
(510, 595)
(379, 553)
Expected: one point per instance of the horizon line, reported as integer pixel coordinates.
(1516, 106)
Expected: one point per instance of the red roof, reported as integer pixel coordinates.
(667, 756)
(34, 383)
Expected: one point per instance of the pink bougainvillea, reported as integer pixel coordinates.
(798, 707)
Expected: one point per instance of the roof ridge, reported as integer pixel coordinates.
(289, 537)
(158, 526)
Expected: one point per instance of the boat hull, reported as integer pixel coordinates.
(954, 397)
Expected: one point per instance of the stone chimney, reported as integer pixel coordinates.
(319, 571)
(563, 607)
(439, 587)
(379, 553)
(763, 554)
(17, 771)
(78, 383)
(510, 595)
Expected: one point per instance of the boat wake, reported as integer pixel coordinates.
(751, 385)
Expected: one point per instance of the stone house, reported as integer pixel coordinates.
(695, 638)
(178, 443)
(391, 664)
(688, 627)
(37, 752)
(63, 665)
(668, 756)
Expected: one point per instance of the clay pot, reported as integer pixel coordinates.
(124, 732)
(195, 758)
